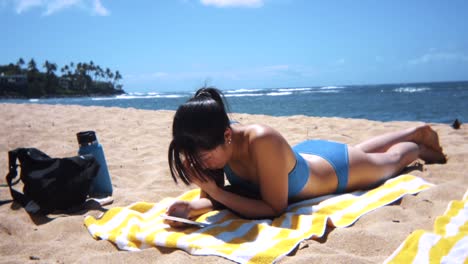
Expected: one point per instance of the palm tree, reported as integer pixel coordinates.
(32, 67)
(46, 65)
(85, 68)
(78, 75)
(99, 72)
(50, 68)
(92, 68)
(50, 76)
(64, 70)
(117, 77)
(32, 73)
(66, 79)
(20, 64)
(108, 73)
(70, 75)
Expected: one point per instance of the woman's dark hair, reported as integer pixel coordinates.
(199, 124)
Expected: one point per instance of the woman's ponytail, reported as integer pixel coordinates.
(199, 124)
(213, 93)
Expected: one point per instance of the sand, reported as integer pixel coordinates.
(135, 143)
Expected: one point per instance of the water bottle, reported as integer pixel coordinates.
(101, 185)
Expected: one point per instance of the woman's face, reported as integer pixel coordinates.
(215, 158)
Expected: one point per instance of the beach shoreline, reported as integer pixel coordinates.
(135, 143)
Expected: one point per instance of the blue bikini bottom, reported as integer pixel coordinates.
(335, 153)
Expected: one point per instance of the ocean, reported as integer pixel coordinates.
(437, 102)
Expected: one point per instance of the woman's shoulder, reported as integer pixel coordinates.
(260, 131)
(263, 136)
(265, 143)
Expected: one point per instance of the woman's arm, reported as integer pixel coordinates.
(198, 207)
(269, 154)
(247, 207)
(190, 209)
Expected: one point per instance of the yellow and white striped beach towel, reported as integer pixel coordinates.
(140, 226)
(447, 244)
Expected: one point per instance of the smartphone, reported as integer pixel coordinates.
(183, 220)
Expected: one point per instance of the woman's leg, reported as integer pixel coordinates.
(366, 169)
(392, 154)
(423, 135)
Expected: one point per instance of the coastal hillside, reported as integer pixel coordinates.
(23, 80)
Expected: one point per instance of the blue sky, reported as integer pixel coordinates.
(169, 45)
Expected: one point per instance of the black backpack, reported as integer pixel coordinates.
(52, 183)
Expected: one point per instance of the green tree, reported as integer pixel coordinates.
(35, 84)
(72, 75)
(64, 70)
(66, 80)
(32, 67)
(75, 79)
(117, 77)
(50, 68)
(50, 77)
(100, 72)
(109, 74)
(20, 63)
(92, 68)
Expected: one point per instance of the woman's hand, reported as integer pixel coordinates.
(178, 209)
(205, 182)
(208, 185)
(188, 210)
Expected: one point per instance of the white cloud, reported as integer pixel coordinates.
(99, 9)
(439, 57)
(55, 6)
(58, 5)
(233, 3)
(24, 5)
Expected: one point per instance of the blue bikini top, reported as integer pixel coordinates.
(297, 178)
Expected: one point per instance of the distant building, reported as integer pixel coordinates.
(65, 82)
(15, 79)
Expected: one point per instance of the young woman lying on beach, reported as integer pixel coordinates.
(265, 172)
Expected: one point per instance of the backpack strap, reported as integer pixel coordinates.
(12, 173)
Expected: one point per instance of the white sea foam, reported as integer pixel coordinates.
(294, 89)
(243, 95)
(410, 89)
(279, 94)
(241, 91)
(321, 91)
(33, 100)
(137, 94)
(331, 87)
(327, 91)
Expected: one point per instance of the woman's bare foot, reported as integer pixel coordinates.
(429, 145)
(429, 138)
(431, 156)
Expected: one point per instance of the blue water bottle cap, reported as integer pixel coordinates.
(86, 137)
